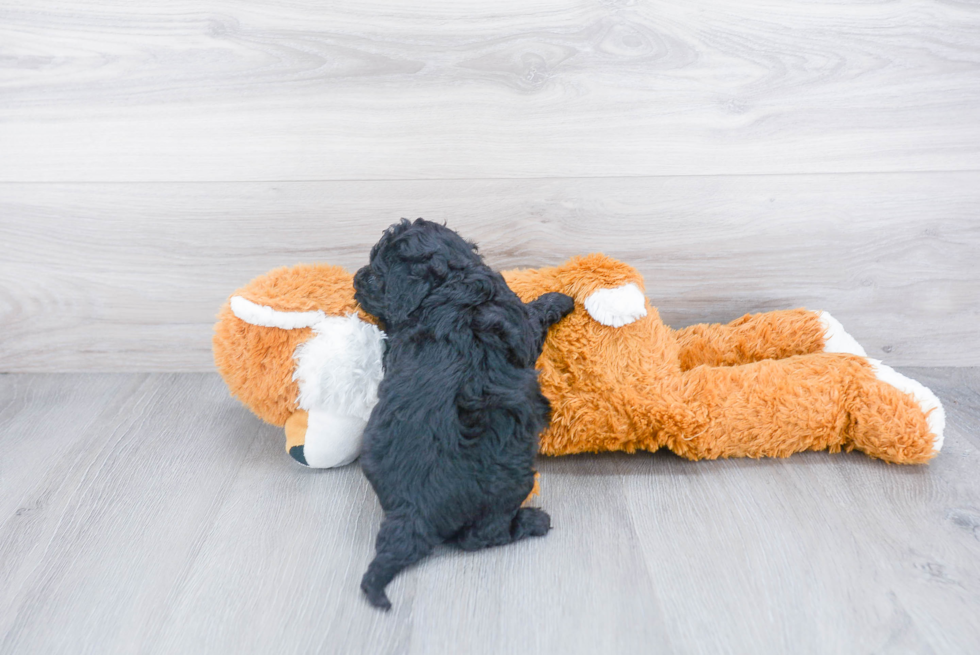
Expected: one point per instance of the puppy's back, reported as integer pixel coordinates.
(450, 446)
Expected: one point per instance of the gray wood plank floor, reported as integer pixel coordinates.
(151, 513)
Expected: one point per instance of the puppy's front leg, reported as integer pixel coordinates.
(548, 310)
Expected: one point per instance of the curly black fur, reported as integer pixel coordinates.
(450, 446)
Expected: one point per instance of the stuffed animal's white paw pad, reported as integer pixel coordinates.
(836, 339)
(617, 307)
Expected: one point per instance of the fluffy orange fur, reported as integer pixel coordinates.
(758, 387)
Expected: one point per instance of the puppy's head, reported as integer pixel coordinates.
(409, 262)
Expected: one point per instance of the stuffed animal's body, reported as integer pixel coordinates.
(295, 348)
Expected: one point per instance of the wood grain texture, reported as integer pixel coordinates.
(102, 516)
(275, 90)
(129, 277)
(153, 514)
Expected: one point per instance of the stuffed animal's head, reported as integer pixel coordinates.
(294, 346)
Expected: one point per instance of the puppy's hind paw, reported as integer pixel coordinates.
(376, 597)
(530, 522)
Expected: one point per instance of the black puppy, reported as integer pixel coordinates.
(450, 446)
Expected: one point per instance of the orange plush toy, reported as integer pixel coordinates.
(296, 349)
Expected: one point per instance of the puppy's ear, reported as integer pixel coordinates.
(477, 287)
(404, 292)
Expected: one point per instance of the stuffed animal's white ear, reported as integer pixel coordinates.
(256, 314)
(617, 307)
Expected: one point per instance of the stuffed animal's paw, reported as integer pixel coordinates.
(324, 439)
(923, 395)
(617, 307)
(837, 340)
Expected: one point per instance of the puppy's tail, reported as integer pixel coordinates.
(400, 544)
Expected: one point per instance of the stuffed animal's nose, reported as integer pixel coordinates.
(296, 452)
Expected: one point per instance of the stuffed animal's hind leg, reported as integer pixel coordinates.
(754, 337)
(401, 542)
(505, 528)
(774, 408)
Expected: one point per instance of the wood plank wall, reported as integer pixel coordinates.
(747, 156)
